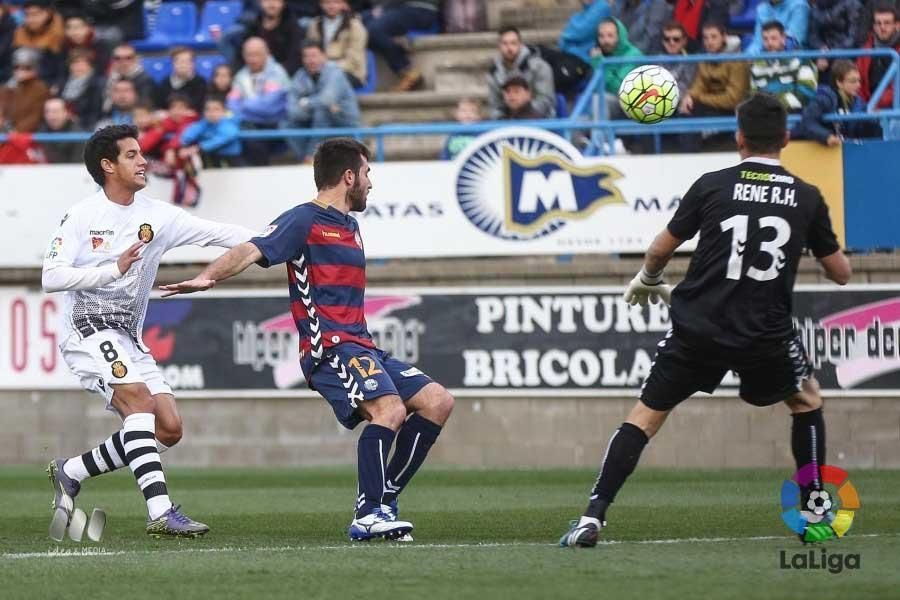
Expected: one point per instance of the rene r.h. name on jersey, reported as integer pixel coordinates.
(765, 192)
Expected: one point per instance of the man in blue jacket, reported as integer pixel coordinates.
(580, 33)
(793, 14)
(214, 137)
(320, 97)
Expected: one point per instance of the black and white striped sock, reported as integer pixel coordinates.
(142, 456)
(108, 456)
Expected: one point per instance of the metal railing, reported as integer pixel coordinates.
(589, 111)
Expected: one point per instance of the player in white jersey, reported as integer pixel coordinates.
(104, 256)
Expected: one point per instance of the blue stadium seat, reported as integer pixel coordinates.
(219, 14)
(371, 81)
(745, 21)
(562, 107)
(175, 25)
(158, 67)
(207, 63)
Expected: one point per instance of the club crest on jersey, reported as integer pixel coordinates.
(119, 370)
(145, 233)
(519, 183)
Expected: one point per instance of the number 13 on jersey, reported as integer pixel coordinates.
(738, 225)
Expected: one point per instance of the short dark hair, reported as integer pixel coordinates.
(720, 27)
(762, 119)
(312, 44)
(841, 67)
(768, 25)
(181, 50)
(335, 156)
(885, 7)
(105, 144)
(673, 25)
(220, 98)
(509, 29)
(516, 80)
(178, 97)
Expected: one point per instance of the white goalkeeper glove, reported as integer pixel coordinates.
(646, 287)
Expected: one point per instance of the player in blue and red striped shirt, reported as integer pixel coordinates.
(320, 244)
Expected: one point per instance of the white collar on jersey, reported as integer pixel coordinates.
(772, 162)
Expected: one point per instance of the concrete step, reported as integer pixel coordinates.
(530, 13)
(413, 107)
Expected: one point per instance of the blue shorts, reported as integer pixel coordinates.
(350, 374)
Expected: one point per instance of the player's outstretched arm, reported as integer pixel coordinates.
(837, 267)
(61, 276)
(648, 285)
(229, 264)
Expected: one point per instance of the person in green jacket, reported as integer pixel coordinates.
(612, 41)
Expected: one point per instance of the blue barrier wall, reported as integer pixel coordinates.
(872, 195)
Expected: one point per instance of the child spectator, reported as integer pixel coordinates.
(42, 30)
(183, 80)
(165, 138)
(221, 82)
(468, 110)
(841, 97)
(83, 89)
(344, 37)
(517, 100)
(22, 103)
(320, 97)
(80, 36)
(214, 137)
(58, 120)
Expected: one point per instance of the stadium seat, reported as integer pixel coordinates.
(217, 14)
(371, 82)
(207, 63)
(562, 107)
(746, 20)
(158, 67)
(175, 24)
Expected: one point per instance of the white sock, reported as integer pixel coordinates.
(104, 458)
(586, 520)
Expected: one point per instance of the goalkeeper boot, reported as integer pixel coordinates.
(65, 489)
(380, 523)
(582, 534)
(174, 523)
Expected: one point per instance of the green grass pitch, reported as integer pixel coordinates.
(479, 534)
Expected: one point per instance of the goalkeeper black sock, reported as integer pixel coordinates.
(622, 455)
(808, 442)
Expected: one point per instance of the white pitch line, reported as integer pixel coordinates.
(95, 552)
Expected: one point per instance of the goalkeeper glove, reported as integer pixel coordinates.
(646, 287)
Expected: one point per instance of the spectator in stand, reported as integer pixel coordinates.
(885, 34)
(42, 30)
(841, 97)
(389, 19)
(612, 41)
(791, 80)
(692, 14)
(344, 37)
(116, 21)
(718, 87)
(7, 31)
(161, 139)
(277, 26)
(517, 59)
(517, 100)
(320, 97)
(468, 110)
(58, 120)
(579, 35)
(793, 14)
(258, 98)
(122, 98)
(125, 65)
(675, 41)
(83, 89)
(643, 20)
(214, 137)
(183, 80)
(80, 36)
(834, 24)
(22, 101)
(868, 17)
(221, 82)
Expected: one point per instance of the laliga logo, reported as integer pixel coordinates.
(520, 184)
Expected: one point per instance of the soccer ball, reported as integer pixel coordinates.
(819, 502)
(648, 94)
